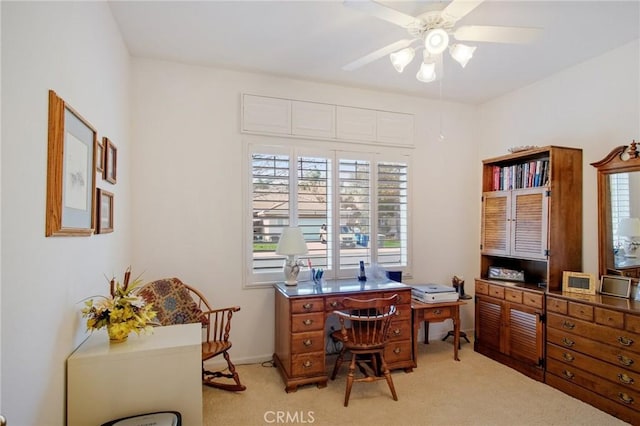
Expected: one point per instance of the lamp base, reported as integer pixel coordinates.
(291, 283)
(291, 270)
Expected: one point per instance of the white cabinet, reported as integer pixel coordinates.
(356, 123)
(394, 128)
(313, 119)
(147, 373)
(266, 115)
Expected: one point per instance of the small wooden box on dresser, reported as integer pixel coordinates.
(593, 351)
(531, 222)
(301, 313)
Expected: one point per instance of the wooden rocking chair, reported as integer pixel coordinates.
(178, 303)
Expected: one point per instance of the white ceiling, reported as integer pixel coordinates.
(313, 40)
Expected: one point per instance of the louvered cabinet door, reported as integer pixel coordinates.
(529, 223)
(488, 322)
(524, 334)
(495, 223)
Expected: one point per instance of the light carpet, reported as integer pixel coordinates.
(441, 391)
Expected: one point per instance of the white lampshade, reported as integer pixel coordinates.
(462, 53)
(427, 71)
(402, 58)
(629, 227)
(291, 242)
(436, 41)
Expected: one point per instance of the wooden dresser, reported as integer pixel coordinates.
(300, 316)
(593, 351)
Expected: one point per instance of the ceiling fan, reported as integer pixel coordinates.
(432, 32)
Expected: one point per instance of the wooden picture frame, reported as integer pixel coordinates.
(110, 161)
(71, 165)
(578, 282)
(104, 211)
(99, 152)
(615, 285)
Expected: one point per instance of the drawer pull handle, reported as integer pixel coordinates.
(625, 398)
(568, 325)
(625, 341)
(307, 306)
(307, 322)
(437, 312)
(625, 379)
(568, 342)
(307, 342)
(333, 304)
(397, 350)
(568, 374)
(568, 357)
(626, 361)
(307, 364)
(397, 332)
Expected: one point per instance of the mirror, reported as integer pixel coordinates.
(619, 212)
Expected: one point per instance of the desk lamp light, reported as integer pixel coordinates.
(630, 229)
(291, 244)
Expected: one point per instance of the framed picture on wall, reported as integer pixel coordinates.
(71, 164)
(110, 161)
(104, 211)
(99, 154)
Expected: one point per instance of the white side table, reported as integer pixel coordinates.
(147, 373)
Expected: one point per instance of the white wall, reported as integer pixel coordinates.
(75, 49)
(187, 177)
(594, 106)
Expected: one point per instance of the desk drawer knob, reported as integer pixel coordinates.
(568, 325)
(307, 322)
(625, 398)
(626, 361)
(437, 312)
(568, 374)
(333, 304)
(397, 332)
(624, 378)
(568, 357)
(307, 306)
(307, 342)
(307, 364)
(397, 350)
(568, 342)
(625, 341)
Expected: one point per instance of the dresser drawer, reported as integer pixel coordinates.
(513, 295)
(307, 364)
(632, 323)
(301, 306)
(482, 288)
(397, 351)
(307, 322)
(557, 305)
(496, 291)
(532, 299)
(312, 341)
(580, 310)
(609, 318)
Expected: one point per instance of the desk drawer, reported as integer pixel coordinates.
(437, 314)
(399, 330)
(307, 364)
(397, 351)
(312, 341)
(302, 306)
(307, 322)
(335, 303)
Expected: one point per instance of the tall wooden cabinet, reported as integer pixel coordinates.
(531, 223)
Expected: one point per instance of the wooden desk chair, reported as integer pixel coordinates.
(364, 327)
(178, 303)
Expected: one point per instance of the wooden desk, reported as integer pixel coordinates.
(435, 312)
(147, 373)
(300, 316)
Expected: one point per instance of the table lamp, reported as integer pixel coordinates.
(291, 244)
(630, 229)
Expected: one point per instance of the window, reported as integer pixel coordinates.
(351, 207)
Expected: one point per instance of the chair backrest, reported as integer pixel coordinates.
(175, 302)
(365, 323)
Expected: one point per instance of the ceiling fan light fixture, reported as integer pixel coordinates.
(402, 58)
(427, 71)
(436, 41)
(462, 53)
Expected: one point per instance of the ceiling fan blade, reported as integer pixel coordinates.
(495, 34)
(382, 12)
(458, 9)
(400, 44)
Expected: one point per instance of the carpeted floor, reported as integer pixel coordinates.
(441, 391)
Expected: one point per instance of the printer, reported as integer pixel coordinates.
(434, 293)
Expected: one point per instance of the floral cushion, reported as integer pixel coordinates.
(172, 302)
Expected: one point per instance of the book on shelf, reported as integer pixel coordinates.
(528, 174)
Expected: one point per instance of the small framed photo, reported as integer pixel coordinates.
(104, 217)
(615, 285)
(109, 172)
(578, 282)
(99, 160)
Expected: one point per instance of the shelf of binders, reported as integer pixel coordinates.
(528, 174)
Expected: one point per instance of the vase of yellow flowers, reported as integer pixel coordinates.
(122, 312)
